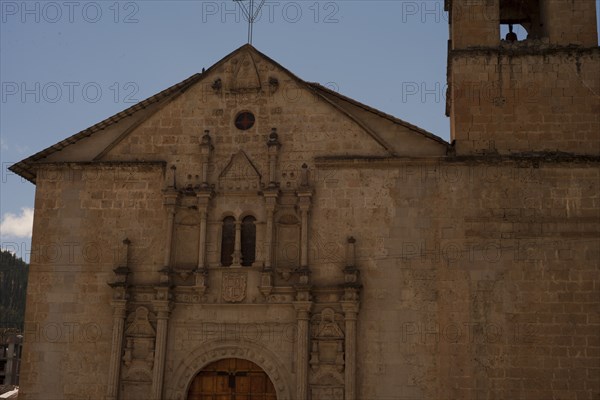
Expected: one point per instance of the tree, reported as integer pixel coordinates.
(13, 289)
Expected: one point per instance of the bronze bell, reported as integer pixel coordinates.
(511, 36)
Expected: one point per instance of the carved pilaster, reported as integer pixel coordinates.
(303, 319)
(204, 198)
(350, 306)
(266, 279)
(114, 369)
(350, 315)
(120, 297)
(162, 307)
(270, 196)
(170, 202)
(304, 201)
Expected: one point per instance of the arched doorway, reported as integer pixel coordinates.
(232, 379)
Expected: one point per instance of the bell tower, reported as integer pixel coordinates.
(523, 76)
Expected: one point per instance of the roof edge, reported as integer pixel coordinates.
(380, 113)
(24, 168)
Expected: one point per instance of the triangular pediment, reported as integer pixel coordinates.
(245, 76)
(240, 174)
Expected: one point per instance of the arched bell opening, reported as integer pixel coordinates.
(521, 20)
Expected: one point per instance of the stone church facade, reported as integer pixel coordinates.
(245, 234)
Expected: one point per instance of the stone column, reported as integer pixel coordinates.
(202, 240)
(162, 307)
(351, 252)
(114, 368)
(304, 209)
(237, 249)
(271, 194)
(270, 205)
(269, 238)
(304, 238)
(304, 199)
(203, 203)
(303, 319)
(350, 315)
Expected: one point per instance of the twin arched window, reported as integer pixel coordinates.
(243, 233)
(228, 241)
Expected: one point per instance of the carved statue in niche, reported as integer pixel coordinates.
(138, 356)
(327, 351)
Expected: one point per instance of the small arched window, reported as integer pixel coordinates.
(228, 241)
(248, 241)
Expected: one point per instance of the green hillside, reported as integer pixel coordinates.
(13, 286)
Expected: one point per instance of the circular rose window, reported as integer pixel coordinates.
(244, 120)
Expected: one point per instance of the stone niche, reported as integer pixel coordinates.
(138, 354)
(287, 249)
(185, 244)
(326, 376)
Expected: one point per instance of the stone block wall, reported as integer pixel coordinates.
(516, 100)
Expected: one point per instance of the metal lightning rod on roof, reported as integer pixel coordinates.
(251, 12)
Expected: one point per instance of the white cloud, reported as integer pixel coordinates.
(3, 145)
(17, 225)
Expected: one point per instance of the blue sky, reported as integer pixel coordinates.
(65, 66)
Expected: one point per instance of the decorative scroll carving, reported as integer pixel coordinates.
(234, 286)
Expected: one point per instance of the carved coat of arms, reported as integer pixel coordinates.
(234, 286)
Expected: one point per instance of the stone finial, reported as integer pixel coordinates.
(127, 244)
(304, 176)
(273, 138)
(206, 139)
(351, 252)
(273, 84)
(173, 184)
(122, 272)
(217, 85)
(165, 276)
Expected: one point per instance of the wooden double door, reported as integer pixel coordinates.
(232, 379)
